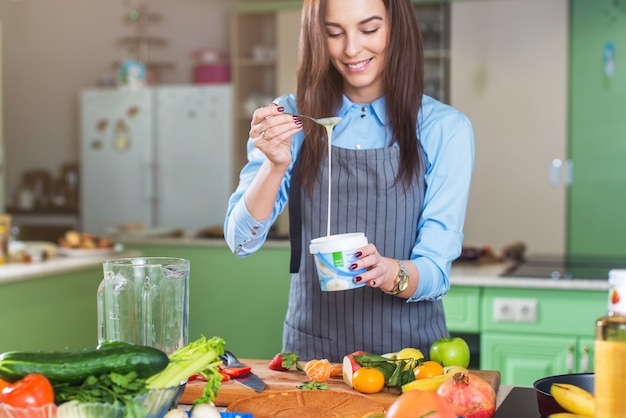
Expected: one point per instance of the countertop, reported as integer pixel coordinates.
(15, 271)
(463, 273)
(489, 275)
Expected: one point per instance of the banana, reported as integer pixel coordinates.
(564, 415)
(455, 369)
(574, 399)
(428, 383)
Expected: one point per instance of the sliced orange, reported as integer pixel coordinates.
(318, 370)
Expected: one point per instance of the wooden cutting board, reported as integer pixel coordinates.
(283, 381)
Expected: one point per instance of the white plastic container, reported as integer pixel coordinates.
(333, 257)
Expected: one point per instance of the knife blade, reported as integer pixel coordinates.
(250, 380)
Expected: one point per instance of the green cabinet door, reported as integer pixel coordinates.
(522, 359)
(243, 300)
(597, 148)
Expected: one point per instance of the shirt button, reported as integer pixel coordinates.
(364, 109)
(357, 146)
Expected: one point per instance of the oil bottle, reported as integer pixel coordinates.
(610, 352)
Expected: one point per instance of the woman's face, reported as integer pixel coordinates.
(357, 34)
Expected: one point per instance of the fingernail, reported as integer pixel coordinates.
(281, 109)
(358, 254)
(296, 117)
(358, 279)
(298, 122)
(353, 266)
(373, 283)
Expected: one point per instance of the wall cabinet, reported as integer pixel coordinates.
(510, 81)
(596, 129)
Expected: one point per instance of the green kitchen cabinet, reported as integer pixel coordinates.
(597, 79)
(243, 300)
(522, 359)
(558, 340)
(462, 308)
(52, 313)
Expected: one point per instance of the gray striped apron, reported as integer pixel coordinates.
(366, 199)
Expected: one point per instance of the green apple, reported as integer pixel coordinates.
(450, 352)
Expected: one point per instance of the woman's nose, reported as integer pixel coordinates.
(352, 46)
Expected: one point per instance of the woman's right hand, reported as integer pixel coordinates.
(271, 130)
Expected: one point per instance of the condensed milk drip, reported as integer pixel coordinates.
(329, 124)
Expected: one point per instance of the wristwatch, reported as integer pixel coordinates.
(401, 282)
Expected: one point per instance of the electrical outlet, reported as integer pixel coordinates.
(514, 310)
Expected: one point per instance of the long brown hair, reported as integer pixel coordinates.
(320, 86)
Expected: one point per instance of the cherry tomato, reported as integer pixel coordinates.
(32, 390)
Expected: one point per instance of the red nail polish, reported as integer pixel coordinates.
(281, 109)
(353, 266)
(358, 254)
(358, 279)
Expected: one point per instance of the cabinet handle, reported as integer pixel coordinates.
(569, 173)
(555, 172)
(569, 360)
(584, 363)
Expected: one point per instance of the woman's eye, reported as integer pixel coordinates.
(334, 34)
(370, 31)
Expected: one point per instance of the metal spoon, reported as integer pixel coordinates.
(330, 121)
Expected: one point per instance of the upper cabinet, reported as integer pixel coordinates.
(511, 82)
(434, 21)
(264, 52)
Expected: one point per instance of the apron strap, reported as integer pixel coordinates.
(295, 218)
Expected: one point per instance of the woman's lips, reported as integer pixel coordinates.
(358, 66)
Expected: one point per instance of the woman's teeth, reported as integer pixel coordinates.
(358, 65)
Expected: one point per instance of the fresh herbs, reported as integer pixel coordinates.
(113, 388)
(313, 385)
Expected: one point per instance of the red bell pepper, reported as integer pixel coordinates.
(32, 390)
(236, 371)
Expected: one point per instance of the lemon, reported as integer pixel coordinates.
(412, 354)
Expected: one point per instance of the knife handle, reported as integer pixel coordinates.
(230, 360)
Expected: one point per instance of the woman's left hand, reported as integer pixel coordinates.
(381, 271)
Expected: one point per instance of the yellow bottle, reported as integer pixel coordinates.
(610, 352)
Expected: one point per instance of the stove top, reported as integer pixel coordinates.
(566, 267)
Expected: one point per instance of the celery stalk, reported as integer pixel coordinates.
(201, 356)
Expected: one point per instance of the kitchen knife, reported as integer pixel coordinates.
(250, 380)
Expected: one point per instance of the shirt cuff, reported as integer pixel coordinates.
(433, 284)
(249, 233)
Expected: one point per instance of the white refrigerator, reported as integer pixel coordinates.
(161, 157)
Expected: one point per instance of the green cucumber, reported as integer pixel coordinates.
(73, 367)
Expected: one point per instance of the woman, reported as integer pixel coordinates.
(401, 168)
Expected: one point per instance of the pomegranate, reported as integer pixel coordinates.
(469, 396)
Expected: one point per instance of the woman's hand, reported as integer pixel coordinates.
(381, 271)
(271, 130)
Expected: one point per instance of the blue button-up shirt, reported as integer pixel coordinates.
(447, 141)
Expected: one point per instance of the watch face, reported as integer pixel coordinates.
(404, 283)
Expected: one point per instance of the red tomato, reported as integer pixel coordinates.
(32, 390)
(419, 404)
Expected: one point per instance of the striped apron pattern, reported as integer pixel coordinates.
(365, 198)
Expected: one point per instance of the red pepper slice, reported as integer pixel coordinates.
(236, 371)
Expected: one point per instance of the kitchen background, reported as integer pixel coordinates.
(523, 70)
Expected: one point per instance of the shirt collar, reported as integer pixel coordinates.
(377, 108)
